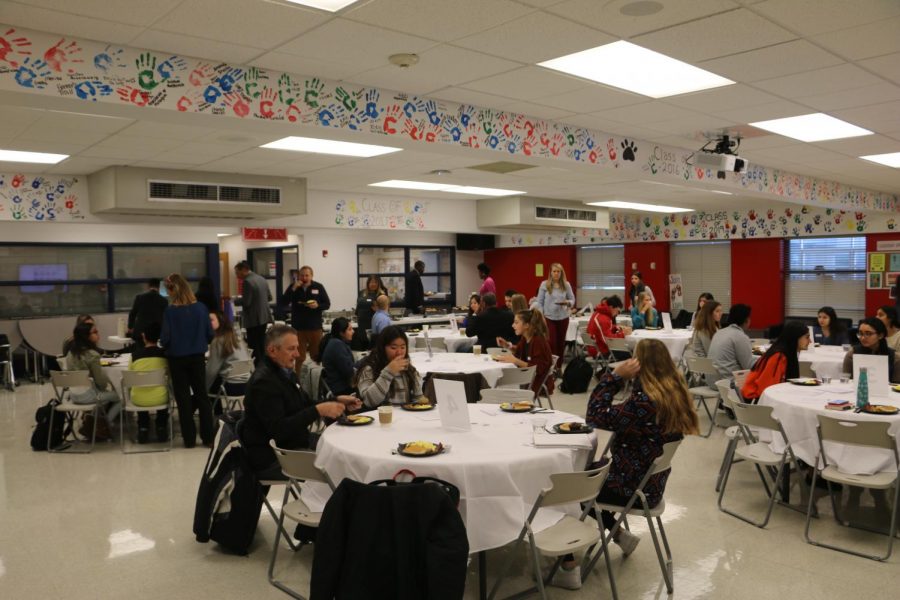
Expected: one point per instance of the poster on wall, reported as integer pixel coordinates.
(874, 281)
(890, 279)
(676, 293)
(894, 262)
(876, 261)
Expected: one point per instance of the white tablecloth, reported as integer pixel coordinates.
(455, 341)
(449, 362)
(114, 367)
(797, 406)
(675, 340)
(574, 322)
(497, 470)
(827, 361)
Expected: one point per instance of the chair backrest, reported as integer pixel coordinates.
(70, 379)
(498, 396)
(588, 341)
(724, 386)
(754, 415)
(759, 342)
(740, 377)
(437, 343)
(664, 461)
(517, 377)
(498, 351)
(617, 344)
(299, 464)
(806, 369)
(580, 486)
(240, 369)
(701, 365)
(131, 379)
(856, 433)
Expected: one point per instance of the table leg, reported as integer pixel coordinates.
(786, 484)
(482, 575)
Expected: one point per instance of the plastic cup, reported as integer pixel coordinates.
(845, 377)
(476, 350)
(385, 415)
(538, 424)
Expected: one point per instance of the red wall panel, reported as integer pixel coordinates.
(514, 267)
(642, 255)
(876, 298)
(757, 279)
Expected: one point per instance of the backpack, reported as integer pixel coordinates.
(42, 433)
(577, 376)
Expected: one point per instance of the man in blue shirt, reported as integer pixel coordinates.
(381, 318)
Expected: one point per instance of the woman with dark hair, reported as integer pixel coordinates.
(638, 286)
(872, 336)
(474, 309)
(206, 294)
(829, 331)
(779, 363)
(365, 303)
(84, 355)
(887, 314)
(533, 348)
(67, 343)
(487, 282)
(703, 299)
(706, 326)
(337, 357)
(226, 348)
(386, 375)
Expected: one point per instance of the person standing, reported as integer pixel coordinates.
(638, 286)
(365, 310)
(148, 307)
(186, 334)
(414, 297)
(308, 301)
(255, 314)
(487, 282)
(554, 299)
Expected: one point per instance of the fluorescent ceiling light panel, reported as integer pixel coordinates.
(318, 146)
(814, 127)
(891, 159)
(444, 187)
(629, 67)
(43, 158)
(639, 206)
(329, 5)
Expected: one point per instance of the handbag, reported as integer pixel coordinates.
(448, 487)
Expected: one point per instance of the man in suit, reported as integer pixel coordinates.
(148, 307)
(490, 323)
(256, 314)
(415, 292)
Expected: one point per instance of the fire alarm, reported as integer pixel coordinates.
(653, 266)
(324, 253)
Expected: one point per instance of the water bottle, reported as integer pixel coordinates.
(862, 389)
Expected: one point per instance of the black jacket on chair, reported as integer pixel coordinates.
(148, 308)
(489, 325)
(404, 542)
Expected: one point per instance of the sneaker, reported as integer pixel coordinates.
(569, 579)
(627, 541)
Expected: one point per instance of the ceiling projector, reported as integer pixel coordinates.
(722, 158)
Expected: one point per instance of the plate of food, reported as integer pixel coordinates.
(419, 449)
(516, 407)
(417, 406)
(572, 427)
(880, 409)
(652, 328)
(355, 420)
(805, 381)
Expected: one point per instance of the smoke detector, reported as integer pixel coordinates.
(404, 61)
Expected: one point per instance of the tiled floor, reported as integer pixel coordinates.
(108, 525)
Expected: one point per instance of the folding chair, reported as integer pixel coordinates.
(806, 369)
(437, 344)
(6, 365)
(617, 345)
(63, 382)
(517, 377)
(238, 373)
(662, 463)
(759, 453)
(544, 391)
(601, 362)
(733, 434)
(298, 466)
(703, 367)
(568, 535)
(498, 396)
(145, 379)
(866, 434)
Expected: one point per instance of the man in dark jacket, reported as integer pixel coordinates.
(414, 298)
(148, 307)
(491, 323)
(308, 300)
(275, 408)
(255, 312)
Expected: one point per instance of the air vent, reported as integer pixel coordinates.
(257, 195)
(165, 190)
(502, 167)
(179, 191)
(564, 214)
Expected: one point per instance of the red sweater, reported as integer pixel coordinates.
(602, 321)
(537, 353)
(758, 379)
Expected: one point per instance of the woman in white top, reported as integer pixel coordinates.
(887, 314)
(554, 299)
(638, 286)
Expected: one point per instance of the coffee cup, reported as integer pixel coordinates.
(385, 415)
(476, 349)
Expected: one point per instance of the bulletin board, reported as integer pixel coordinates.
(883, 270)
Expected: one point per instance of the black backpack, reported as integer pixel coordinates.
(42, 431)
(576, 376)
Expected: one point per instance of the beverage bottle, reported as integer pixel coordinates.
(862, 389)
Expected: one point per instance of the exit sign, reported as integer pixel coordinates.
(264, 234)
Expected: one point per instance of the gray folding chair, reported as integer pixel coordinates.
(600, 361)
(759, 453)
(238, 373)
(499, 396)
(733, 434)
(568, 535)
(544, 391)
(298, 466)
(703, 367)
(618, 345)
(865, 434)
(806, 369)
(517, 377)
(144, 379)
(63, 382)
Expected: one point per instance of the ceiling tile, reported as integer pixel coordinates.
(887, 66)
(810, 17)
(646, 112)
(884, 117)
(40, 133)
(820, 81)
(607, 16)
(53, 119)
(132, 12)
(719, 35)
(78, 165)
(734, 96)
(515, 40)
(146, 144)
(464, 96)
(774, 61)
(437, 19)
(64, 23)
(852, 98)
(128, 154)
(152, 129)
(197, 47)
(533, 109)
(863, 145)
(291, 63)
(689, 126)
(591, 98)
(527, 83)
(762, 112)
(865, 41)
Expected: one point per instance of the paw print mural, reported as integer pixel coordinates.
(628, 150)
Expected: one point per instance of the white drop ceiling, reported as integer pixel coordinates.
(789, 57)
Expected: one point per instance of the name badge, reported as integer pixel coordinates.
(314, 292)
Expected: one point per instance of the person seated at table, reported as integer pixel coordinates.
(731, 349)
(491, 323)
(705, 328)
(337, 357)
(381, 319)
(276, 408)
(148, 356)
(507, 299)
(386, 375)
(225, 349)
(703, 299)
(658, 410)
(533, 349)
(67, 343)
(643, 314)
(779, 363)
(602, 326)
(872, 336)
(84, 355)
(474, 309)
(830, 331)
(887, 314)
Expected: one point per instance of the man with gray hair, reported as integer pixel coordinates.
(275, 408)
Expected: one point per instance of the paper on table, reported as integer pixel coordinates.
(451, 403)
(429, 416)
(549, 440)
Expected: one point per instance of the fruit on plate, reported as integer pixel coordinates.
(524, 405)
(419, 448)
(571, 426)
(359, 419)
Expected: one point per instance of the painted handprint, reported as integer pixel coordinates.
(466, 112)
(57, 56)
(287, 90)
(201, 75)
(267, 103)
(89, 90)
(372, 110)
(146, 65)
(431, 110)
(168, 67)
(413, 129)
(312, 90)
(133, 95)
(391, 115)
(32, 74)
(13, 45)
(252, 79)
(451, 126)
(513, 144)
(345, 98)
(237, 104)
(229, 79)
(109, 58)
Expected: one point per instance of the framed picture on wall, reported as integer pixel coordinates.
(874, 281)
(890, 279)
(876, 261)
(894, 263)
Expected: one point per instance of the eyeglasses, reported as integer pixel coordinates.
(867, 333)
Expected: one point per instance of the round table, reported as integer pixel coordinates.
(114, 367)
(572, 330)
(827, 361)
(675, 340)
(797, 406)
(498, 471)
(456, 341)
(449, 362)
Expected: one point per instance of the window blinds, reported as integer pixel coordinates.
(601, 272)
(704, 267)
(826, 272)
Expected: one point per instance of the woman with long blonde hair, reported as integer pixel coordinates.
(554, 300)
(643, 314)
(186, 333)
(532, 348)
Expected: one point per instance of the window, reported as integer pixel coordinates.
(601, 272)
(704, 267)
(827, 271)
(392, 264)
